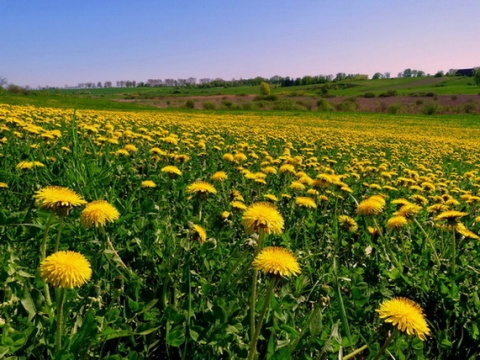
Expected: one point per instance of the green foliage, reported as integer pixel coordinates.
(209, 105)
(324, 105)
(190, 104)
(265, 88)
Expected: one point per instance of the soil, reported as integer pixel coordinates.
(438, 104)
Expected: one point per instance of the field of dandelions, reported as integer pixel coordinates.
(170, 235)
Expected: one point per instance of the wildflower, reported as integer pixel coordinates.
(240, 157)
(238, 205)
(58, 199)
(65, 269)
(201, 187)
(98, 213)
(297, 185)
(122, 152)
(219, 176)
(450, 216)
(131, 148)
(397, 222)
(287, 168)
(148, 184)
(171, 170)
(347, 223)
(199, 233)
(26, 165)
(270, 197)
(406, 315)
(228, 157)
(278, 261)
(372, 206)
(305, 201)
(409, 210)
(462, 229)
(263, 217)
(225, 215)
(3, 185)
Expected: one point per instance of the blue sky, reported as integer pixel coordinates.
(66, 42)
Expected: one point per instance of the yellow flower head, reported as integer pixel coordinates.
(98, 213)
(171, 169)
(409, 210)
(372, 206)
(201, 187)
(3, 185)
(199, 233)
(148, 184)
(263, 217)
(58, 199)
(278, 261)
(238, 205)
(65, 269)
(305, 201)
(219, 176)
(406, 315)
(347, 223)
(25, 165)
(450, 216)
(397, 222)
(462, 229)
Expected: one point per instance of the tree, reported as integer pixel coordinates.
(377, 76)
(387, 75)
(3, 82)
(407, 73)
(265, 88)
(476, 76)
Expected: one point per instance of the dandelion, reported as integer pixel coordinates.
(397, 222)
(263, 217)
(238, 205)
(372, 206)
(406, 315)
(347, 223)
(219, 176)
(27, 165)
(462, 229)
(3, 185)
(305, 201)
(201, 187)
(270, 197)
(409, 210)
(171, 170)
(148, 184)
(450, 216)
(199, 233)
(98, 213)
(279, 261)
(58, 199)
(65, 269)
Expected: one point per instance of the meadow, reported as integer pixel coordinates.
(216, 235)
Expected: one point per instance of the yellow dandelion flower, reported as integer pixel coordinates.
(397, 222)
(462, 229)
(372, 206)
(98, 213)
(409, 210)
(477, 219)
(278, 261)
(228, 157)
(131, 148)
(347, 223)
(148, 184)
(225, 214)
(374, 231)
(199, 233)
(263, 217)
(26, 165)
(305, 201)
(297, 185)
(240, 157)
(287, 168)
(219, 176)
(58, 199)
(236, 195)
(406, 315)
(450, 216)
(122, 152)
(201, 187)
(65, 269)
(238, 205)
(270, 197)
(3, 185)
(171, 169)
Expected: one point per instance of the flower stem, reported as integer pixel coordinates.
(454, 251)
(112, 249)
(355, 352)
(43, 247)
(60, 228)
(253, 295)
(59, 332)
(385, 345)
(253, 343)
(437, 259)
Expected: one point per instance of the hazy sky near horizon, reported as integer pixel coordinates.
(55, 43)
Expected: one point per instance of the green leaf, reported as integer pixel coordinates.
(176, 337)
(28, 303)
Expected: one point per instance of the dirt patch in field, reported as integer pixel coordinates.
(436, 104)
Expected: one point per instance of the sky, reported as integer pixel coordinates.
(58, 43)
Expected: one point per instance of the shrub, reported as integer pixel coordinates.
(286, 104)
(347, 105)
(227, 103)
(394, 109)
(190, 104)
(431, 109)
(324, 105)
(470, 108)
(419, 102)
(389, 93)
(369, 95)
(209, 105)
